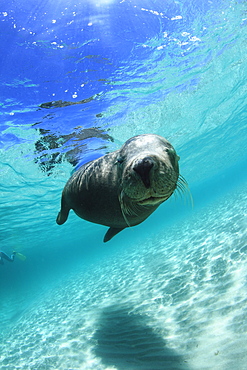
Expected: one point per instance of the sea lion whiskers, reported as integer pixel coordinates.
(123, 207)
(183, 188)
(129, 208)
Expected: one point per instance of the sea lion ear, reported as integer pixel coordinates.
(119, 160)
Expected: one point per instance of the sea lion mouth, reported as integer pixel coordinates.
(153, 200)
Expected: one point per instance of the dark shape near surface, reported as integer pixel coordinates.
(48, 149)
(123, 188)
(62, 104)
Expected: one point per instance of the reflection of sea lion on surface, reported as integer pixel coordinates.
(49, 148)
(123, 188)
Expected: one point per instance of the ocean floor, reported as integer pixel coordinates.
(178, 300)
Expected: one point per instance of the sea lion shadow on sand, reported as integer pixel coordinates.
(124, 340)
(123, 188)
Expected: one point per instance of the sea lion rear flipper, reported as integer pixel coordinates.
(63, 214)
(111, 232)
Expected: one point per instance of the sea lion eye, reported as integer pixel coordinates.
(120, 160)
(174, 158)
(172, 153)
(169, 150)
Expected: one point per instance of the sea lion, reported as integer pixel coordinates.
(122, 188)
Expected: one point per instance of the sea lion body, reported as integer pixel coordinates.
(123, 188)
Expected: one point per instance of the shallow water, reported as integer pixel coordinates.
(78, 80)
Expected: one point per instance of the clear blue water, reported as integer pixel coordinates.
(77, 80)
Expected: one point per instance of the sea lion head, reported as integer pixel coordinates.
(149, 172)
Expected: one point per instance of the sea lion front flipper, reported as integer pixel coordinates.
(63, 214)
(111, 232)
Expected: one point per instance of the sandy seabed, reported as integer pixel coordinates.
(177, 301)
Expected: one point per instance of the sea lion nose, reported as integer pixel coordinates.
(143, 168)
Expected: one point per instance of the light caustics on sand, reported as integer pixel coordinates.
(176, 300)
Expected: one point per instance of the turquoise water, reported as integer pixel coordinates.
(77, 80)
